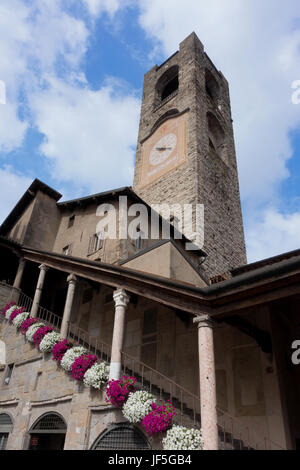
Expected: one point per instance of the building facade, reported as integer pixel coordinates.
(198, 327)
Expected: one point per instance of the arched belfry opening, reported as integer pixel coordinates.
(216, 137)
(6, 427)
(212, 87)
(167, 84)
(48, 433)
(123, 436)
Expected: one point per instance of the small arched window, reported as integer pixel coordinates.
(212, 87)
(48, 433)
(167, 84)
(121, 437)
(6, 427)
(216, 136)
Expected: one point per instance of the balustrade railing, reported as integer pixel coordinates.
(24, 301)
(93, 344)
(234, 435)
(49, 318)
(187, 405)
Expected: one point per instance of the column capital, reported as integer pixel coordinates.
(121, 298)
(204, 321)
(71, 278)
(43, 267)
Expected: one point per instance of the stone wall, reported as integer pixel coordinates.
(38, 386)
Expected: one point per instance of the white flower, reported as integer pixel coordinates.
(70, 356)
(96, 375)
(49, 341)
(32, 329)
(138, 405)
(180, 438)
(19, 319)
(10, 311)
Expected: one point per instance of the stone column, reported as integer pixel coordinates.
(38, 290)
(121, 301)
(71, 279)
(18, 278)
(207, 377)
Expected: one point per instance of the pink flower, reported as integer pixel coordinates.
(27, 323)
(118, 390)
(40, 333)
(159, 419)
(59, 349)
(7, 307)
(82, 364)
(16, 312)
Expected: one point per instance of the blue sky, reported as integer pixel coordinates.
(74, 71)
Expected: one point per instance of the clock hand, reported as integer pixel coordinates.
(163, 148)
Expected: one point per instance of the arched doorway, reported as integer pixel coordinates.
(48, 433)
(6, 427)
(121, 437)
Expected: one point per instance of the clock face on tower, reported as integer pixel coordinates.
(164, 150)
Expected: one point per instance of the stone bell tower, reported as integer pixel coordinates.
(186, 153)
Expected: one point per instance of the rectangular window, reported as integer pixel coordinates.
(139, 242)
(3, 440)
(37, 380)
(149, 338)
(96, 243)
(8, 373)
(87, 295)
(71, 221)
(67, 250)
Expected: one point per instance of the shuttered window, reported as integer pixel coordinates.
(95, 243)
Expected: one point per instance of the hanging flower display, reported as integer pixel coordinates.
(19, 320)
(26, 324)
(32, 329)
(40, 333)
(17, 311)
(81, 365)
(118, 390)
(9, 311)
(97, 375)
(181, 438)
(60, 349)
(138, 405)
(7, 307)
(159, 419)
(70, 356)
(49, 341)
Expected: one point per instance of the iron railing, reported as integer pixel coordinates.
(49, 318)
(93, 344)
(25, 301)
(187, 405)
(234, 435)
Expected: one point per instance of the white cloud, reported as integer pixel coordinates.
(13, 186)
(32, 38)
(96, 7)
(90, 136)
(275, 233)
